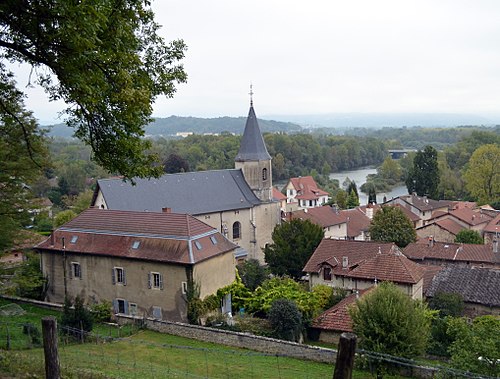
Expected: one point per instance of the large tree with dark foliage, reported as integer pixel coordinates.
(294, 243)
(423, 177)
(105, 60)
(390, 224)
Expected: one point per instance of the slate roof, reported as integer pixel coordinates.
(307, 188)
(252, 146)
(430, 271)
(332, 251)
(191, 192)
(476, 285)
(452, 252)
(161, 237)
(337, 318)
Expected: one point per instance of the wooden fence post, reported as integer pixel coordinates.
(345, 356)
(49, 331)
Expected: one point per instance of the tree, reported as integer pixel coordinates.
(390, 170)
(341, 199)
(352, 200)
(252, 273)
(372, 195)
(294, 243)
(390, 224)
(448, 304)
(476, 345)
(23, 155)
(105, 60)
(388, 321)
(175, 163)
(63, 217)
(469, 236)
(285, 319)
(423, 177)
(482, 176)
(76, 316)
(29, 280)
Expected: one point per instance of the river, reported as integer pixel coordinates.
(359, 176)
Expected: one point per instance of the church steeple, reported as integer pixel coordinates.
(252, 147)
(253, 158)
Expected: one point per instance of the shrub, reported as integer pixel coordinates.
(33, 332)
(76, 316)
(101, 312)
(285, 319)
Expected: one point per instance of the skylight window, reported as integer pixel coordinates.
(213, 239)
(136, 244)
(198, 245)
(73, 239)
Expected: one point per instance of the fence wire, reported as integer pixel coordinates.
(121, 353)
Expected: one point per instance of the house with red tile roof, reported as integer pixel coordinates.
(328, 326)
(421, 206)
(333, 221)
(457, 254)
(492, 230)
(143, 262)
(303, 192)
(442, 230)
(357, 265)
(278, 196)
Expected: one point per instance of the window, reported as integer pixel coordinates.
(155, 280)
(132, 309)
(198, 245)
(73, 239)
(213, 239)
(327, 273)
(236, 230)
(76, 270)
(184, 287)
(136, 244)
(264, 174)
(121, 305)
(157, 312)
(118, 276)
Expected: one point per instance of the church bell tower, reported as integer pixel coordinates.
(253, 158)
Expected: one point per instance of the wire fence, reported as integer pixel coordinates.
(126, 352)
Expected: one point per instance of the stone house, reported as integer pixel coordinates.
(303, 192)
(431, 252)
(357, 265)
(333, 221)
(143, 262)
(479, 288)
(491, 232)
(236, 202)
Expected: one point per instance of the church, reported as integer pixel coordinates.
(237, 202)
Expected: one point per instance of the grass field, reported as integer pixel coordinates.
(146, 354)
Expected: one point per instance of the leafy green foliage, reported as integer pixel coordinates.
(469, 236)
(175, 163)
(482, 176)
(109, 72)
(28, 279)
(63, 217)
(252, 273)
(423, 178)
(390, 224)
(476, 346)
(76, 316)
(440, 340)
(293, 244)
(448, 304)
(22, 155)
(33, 332)
(388, 321)
(101, 312)
(285, 319)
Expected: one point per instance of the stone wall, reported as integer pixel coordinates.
(241, 340)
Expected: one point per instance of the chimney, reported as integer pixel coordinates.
(369, 211)
(345, 262)
(431, 241)
(495, 246)
(52, 239)
(166, 210)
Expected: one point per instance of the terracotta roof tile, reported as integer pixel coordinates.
(470, 216)
(450, 252)
(337, 318)
(494, 225)
(357, 223)
(162, 237)
(430, 271)
(307, 188)
(277, 195)
(324, 216)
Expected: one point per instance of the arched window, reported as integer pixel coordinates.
(236, 230)
(264, 174)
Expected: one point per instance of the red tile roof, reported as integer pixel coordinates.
(306, 188)
(337, 318)
(430, 271)
(449, 225)
(390, 267)
(412, 216)
(162, 237)
(494, 225)
(424, 203)
(332, 251)
(452, 252)
(357, 221)
(324, 216)
(277, 195)
(470, 216)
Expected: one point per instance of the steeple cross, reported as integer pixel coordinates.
(251, 94)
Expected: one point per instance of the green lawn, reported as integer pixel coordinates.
(145, 354)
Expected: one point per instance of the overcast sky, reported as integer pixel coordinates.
(329, 56)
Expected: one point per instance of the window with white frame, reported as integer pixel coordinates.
(155, 280)
(118, 276)
(76, 270)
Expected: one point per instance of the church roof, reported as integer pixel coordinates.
(252, 147)
(193, 193)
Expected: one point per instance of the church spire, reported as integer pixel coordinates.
(252, 147)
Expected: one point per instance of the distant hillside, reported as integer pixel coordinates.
(173, 124)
